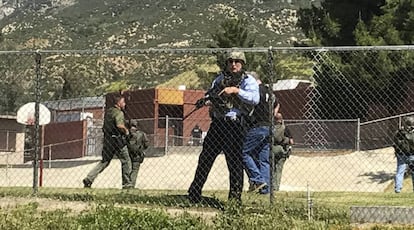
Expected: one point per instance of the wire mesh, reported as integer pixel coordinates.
(342, 106)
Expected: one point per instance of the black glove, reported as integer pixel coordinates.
(200, 103)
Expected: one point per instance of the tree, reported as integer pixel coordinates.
(16, 73)
(236, 33)
(364, 75)
(233, 32)
(334, 22)
(393, 27)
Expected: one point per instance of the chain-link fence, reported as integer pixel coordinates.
(341, 105)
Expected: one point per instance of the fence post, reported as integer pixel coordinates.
(271, 115)
(38, 59)
(166, 134)
(399, 123)
(358, 137)
(7, 140)
(309, 201)
(50, 156)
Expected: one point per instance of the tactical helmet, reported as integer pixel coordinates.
(237, 55)
(409, 122)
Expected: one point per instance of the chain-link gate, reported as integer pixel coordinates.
(342, 116)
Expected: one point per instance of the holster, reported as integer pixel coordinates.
(137, 156)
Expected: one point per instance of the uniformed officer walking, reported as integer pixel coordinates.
(115, 133)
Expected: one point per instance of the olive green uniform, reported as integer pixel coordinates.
(137, 143)
(114, 144)
(280, 151)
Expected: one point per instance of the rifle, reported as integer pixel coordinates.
(198, 105)
(214, 94)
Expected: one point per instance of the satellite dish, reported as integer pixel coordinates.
(26, 114)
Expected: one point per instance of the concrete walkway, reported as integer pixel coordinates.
(365, 171)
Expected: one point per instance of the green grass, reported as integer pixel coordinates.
(114, 208)
(178, 198)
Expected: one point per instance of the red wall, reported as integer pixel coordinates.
(65, 140)
(293, 101)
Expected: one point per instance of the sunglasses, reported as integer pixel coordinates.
(234, 61)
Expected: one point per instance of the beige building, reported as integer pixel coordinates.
(12, 137)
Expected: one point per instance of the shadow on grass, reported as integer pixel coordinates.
(183, 200)
(124, 197)
(171, 200)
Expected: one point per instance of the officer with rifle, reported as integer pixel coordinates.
(231, 98)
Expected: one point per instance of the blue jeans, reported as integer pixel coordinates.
(255, 153)
(402, 162)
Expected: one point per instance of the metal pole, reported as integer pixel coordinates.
(166, 134)
(50, 156)
(7, 140)
(358, 134)
(399, 123)
(308, 195)
(41, 169)
(7, 169)
(38, 59)
(271, 116)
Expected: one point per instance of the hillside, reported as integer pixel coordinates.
(71, 24)
(124, 24)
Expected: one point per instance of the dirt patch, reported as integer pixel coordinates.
(44, 204)
(77, 207)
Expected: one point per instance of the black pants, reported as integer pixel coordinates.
(226, 136)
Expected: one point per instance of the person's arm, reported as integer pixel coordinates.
(277, 107)
(120, 123)
(123, 129)
(289, 135)
(145, 141)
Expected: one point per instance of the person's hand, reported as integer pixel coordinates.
(126, 132)
(230, 90)
(200, 103)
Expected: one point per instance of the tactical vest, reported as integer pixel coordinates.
(224, 103)
(262, 114)
(278, 134)
(111, 115)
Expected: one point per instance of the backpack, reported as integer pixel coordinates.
(404, 142)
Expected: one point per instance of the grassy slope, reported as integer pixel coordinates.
(145, 23)
(177, 198)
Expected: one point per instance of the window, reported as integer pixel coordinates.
(7, 140)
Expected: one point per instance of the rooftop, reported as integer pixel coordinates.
(76, 103)
(288, 84)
